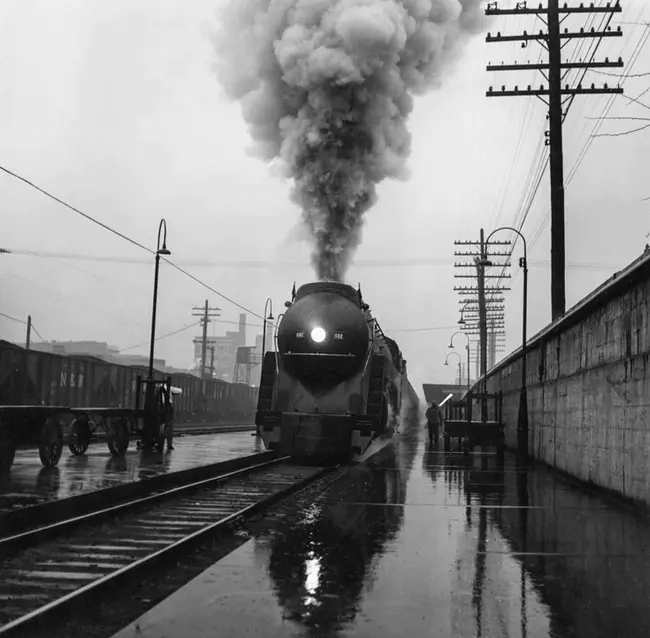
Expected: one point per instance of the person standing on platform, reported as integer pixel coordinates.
(434, 422)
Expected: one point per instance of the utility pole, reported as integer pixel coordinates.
(29, 332)
(481, 308)
(482, 315)
(477, 310)
(557, 70)
(206, 313)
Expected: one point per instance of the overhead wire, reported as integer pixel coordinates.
(126, 238)
(534, 179)
(161, 337)
(37, 332)
(643, 39)
(2, 314)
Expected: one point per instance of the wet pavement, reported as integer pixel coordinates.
(29, 483)
(428, 544)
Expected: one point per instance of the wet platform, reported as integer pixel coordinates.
(29, 483)
(428, 544)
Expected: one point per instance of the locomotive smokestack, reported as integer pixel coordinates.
(326, 88)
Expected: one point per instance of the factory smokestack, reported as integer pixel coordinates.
(326, 88)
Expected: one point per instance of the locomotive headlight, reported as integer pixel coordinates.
(318, 334)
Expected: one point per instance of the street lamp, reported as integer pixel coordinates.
(522, 426)
(461, 321)
(459, 365)
(162, 229)
(268, 304)
(451, 345)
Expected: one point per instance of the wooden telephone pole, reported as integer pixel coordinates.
(554, 71)
(205, 313)
(486, 308)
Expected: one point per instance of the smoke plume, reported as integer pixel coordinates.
(326, 87)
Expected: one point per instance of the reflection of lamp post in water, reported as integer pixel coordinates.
(460, 374)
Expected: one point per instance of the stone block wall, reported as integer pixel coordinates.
(588, 380)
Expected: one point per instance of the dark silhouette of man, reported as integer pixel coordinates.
(434, 422)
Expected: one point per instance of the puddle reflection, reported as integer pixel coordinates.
(321, 563)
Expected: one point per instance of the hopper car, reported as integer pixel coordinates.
(40, 393)
(336, 383)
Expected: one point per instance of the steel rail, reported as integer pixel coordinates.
(39, 534)
(40, 619)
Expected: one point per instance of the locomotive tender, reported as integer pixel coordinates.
(336, 383)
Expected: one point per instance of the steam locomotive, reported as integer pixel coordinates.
(336, 384)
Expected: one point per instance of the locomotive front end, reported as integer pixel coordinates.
(314, 389)
(323, 338)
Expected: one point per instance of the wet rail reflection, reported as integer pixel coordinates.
(427, 543)
(320, 563)
(29, 483)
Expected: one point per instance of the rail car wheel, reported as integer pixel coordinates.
(118, 437)
(79, 436)
(7, 449)
(51, 444)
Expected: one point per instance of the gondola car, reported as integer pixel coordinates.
(336, 382)
(41, 392)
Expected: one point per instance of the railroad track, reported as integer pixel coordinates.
(45, 581)
(20, 519)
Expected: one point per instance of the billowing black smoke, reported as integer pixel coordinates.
(326, 88)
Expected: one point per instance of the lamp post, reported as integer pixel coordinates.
(451, 345)
(267, 316)
(267, 304)
(459, 365)
(162, 230)
(522, 426)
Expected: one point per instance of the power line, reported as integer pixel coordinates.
(76, 210)
(387, 263)
(37, 332)
(421, 329)
(2, 314)
(132, 241)
(169, 334)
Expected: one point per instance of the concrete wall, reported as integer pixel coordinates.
(588, 382)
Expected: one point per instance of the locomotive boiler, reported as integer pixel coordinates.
(336, 384)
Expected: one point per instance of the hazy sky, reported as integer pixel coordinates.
(114, 107)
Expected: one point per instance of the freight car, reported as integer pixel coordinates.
(37, 389)
(336, 384)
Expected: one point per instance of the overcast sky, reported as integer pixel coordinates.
(114, 108)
